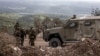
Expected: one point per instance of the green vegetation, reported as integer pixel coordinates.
(8, 20)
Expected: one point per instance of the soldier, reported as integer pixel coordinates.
(17, 26)
(22, 36)
(17, 33)
(27, 31)
(17, 29)
(32, 36)
(17, 36)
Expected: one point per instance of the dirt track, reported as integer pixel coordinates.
(86, 47)
(38, 42)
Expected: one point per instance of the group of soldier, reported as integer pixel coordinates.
(20, 34)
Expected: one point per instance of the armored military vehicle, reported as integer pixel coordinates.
(73, 30)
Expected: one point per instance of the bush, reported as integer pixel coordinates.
(7, 43)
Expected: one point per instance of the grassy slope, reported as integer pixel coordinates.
(8, 20)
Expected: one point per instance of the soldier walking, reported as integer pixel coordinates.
(17, 33)
(22, 36)
(32, 36)
(17, 29)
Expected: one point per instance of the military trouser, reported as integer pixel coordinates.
(18, 41)
(22, 41)
(32, 40)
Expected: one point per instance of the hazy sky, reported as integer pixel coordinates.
(55, 0)
(67, 0)
(53, 6)
(70, 0)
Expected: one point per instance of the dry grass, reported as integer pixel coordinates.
(87, 47)
(6, 43)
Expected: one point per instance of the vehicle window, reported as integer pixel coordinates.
(87, 23)
(72, 25)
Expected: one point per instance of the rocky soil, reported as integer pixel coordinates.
(85, 47)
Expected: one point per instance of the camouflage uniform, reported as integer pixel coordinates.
(32, 37)
(27, 31)
(17, 36)
(17, 33)
(17, 29)
(23, 34)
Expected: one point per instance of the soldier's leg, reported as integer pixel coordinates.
(16, 41)
(32, 42)
(22, 41)
(29, 40)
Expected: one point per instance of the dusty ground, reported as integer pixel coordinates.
(38, 42)
(85, 47)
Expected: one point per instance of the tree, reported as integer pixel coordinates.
(57, 22)
(95, 12)
(37, 22)
(46, 21)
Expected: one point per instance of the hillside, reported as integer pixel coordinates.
(8, 20)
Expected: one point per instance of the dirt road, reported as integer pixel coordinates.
(38, 42)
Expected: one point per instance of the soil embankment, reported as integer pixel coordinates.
(85, 47)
